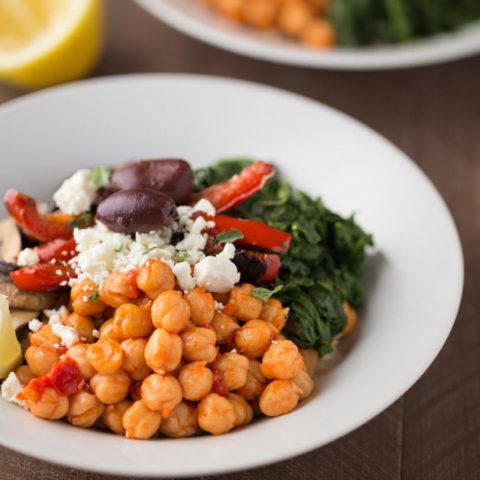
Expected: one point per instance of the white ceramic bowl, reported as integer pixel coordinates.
(193, 18)
(414, 282)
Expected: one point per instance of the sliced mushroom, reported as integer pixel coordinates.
(20, 318)
(10, 240)
(28, 300)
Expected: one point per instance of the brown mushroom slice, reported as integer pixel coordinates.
(10, 240)
(20, 318)
(24, 300)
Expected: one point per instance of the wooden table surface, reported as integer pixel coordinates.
(433, 114)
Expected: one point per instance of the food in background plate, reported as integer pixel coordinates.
(325, 23)
(197, 299)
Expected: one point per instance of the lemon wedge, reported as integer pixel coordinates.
(45, 42)
(10, 350)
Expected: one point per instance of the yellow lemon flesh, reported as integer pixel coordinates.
(10, 350)
(45, 42)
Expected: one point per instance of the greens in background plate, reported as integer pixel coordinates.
(323, 268)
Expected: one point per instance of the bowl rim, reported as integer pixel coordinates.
(268, 457)
(443, 47)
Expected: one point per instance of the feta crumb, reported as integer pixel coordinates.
(204, 206)
(228, 251)
(219, 306)
(56, 316)
(11, 387)
(77, 193)
(95, 333)
(34, 325)
(183, 273)
(216, 274)
(58, 272)
(28, 258)
(56, 346)
(68, 335)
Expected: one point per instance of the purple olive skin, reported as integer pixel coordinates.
(170, 175)
(137, 210)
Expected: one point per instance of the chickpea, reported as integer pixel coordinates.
(106, 356)
(83, 326)
(305, 382)
(242, 304)
(274, 313)
(163, 351)
(216, 414)
(155, 277)
(132, 321)
(352, 319)
(43, 335)
(253, 338)
(259, 14)
(293, 17)
(140, 422)
(255, 383)
(78, 353)
(243, 410)
(202, 306)
(320, 6)
(279, 397)
(318, 33)
(110, 330)
(310, 358)
(40, 359)
(161, 393)
(182, 422)
(84, 410)
(170, 311)
(145, 304)
(81, 296)
(199, 344)
(50, 405)
(224, 326)
(282, 360)
(110, 388)
(196, 380)
(24, 374)
(134, 358)
(118, 289)
(113, 415)
(234, 368)
(230, 8)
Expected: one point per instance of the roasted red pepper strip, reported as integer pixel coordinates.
(59, 249)
(255, 234)
(64, 376)
(231, 193)
(24, 210)
(42, 277)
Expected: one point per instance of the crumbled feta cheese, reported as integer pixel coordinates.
(34, 325)
(77, 193)
(217, 274)
(11, 387)
(56, 316)
(204, 206)
(183, 272)
(95, 333)
(28, 257)
(68, 335)
(228, 251)
(219, 306)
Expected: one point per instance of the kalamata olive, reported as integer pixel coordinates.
(136, 210)
(171, 176)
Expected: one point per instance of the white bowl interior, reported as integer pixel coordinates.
(194, 18)
(415, 279)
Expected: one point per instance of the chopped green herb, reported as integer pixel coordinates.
(323, 268)
(265, 294)
(179, 257)
(82, 221)
(229, 236)
(101, 176)
(94, 296)
(148, 250)
(120, 248)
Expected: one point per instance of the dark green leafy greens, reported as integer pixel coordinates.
(360, 22)
(323, 267)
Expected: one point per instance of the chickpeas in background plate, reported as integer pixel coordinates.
(173, 301)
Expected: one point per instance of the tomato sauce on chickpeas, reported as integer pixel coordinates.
(166, 362)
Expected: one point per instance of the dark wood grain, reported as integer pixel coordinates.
(433, 432)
